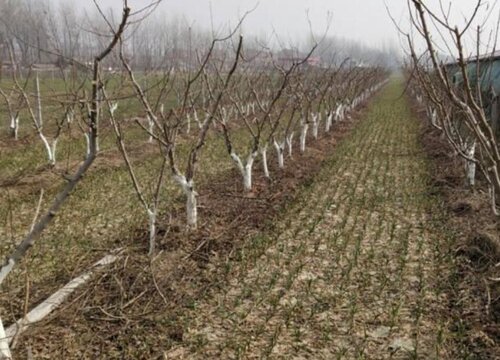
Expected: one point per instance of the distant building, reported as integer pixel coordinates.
(288, 57)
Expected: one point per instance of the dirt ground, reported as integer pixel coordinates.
(345, 254)
(474, 286)
(354, 272)
(129, 300)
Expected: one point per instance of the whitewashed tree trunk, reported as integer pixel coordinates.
(152, 230)
(113, 108)
(197, 119)
(207, 116)
(493, 199)
(315, 125)
(471, 165)
(70, 115)
(14, 127)
(303, 136)
(97, 144)
(191, 200)
(39, 102)
(280, 151)
(4, 344)
(87, 141)
(338, 112)
(245, 169)
(188, 124)
(289, 143)
(328, 122)
(52, 302)
(224, 112)
(263, 152)
(191, 206)
(151, 128)
(51, 150)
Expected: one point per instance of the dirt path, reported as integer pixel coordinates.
(352, 271)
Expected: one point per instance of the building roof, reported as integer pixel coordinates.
(484, 57)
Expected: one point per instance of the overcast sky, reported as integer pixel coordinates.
(363, 20)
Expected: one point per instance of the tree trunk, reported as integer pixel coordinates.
(4, 344)
(289, 143)
(471, 166)
(280, 151)
(263, 152)
(39, 102)
(14, 127)
(303, 137)
(150, 129)
(188, 124)
(50, 149)
(315, 125)
(87, 141)
(191, 207)
(152, 231)
(245, 169)
(191, 201)
(328, 123)
(52, 302)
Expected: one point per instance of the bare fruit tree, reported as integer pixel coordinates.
(93, 120)
(457, 108)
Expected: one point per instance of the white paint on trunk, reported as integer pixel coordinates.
(14, 126)
(70, 115)
(56, 299)
(315, 125)
(50, 149)
(4, 344)
(207, 116)
(263, 152)
(191, 207)
(54, 147)
(87, 141)
(280, 151)
(328, 123)
(339, 112)
(191, 200)
(152, 231)
(471, 165)
(493, 200)
(433, 115)
(97, 146)
(151, 128)
(197, 119)
(39, 101)
(113, 108)
(289, 143)
(188, 124)
(245, 169)
(303, 136)
(6, 270)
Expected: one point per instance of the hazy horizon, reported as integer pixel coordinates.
(367, 22)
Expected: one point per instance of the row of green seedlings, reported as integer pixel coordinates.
(295, 257)
(263, 125)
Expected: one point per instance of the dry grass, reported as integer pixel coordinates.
(352, 272)
(345, 258)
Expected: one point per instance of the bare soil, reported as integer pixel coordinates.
(474, 286)
(132, 309)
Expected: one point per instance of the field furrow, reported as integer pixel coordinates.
(351, 271)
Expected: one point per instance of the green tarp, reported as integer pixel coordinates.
(489, 76)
